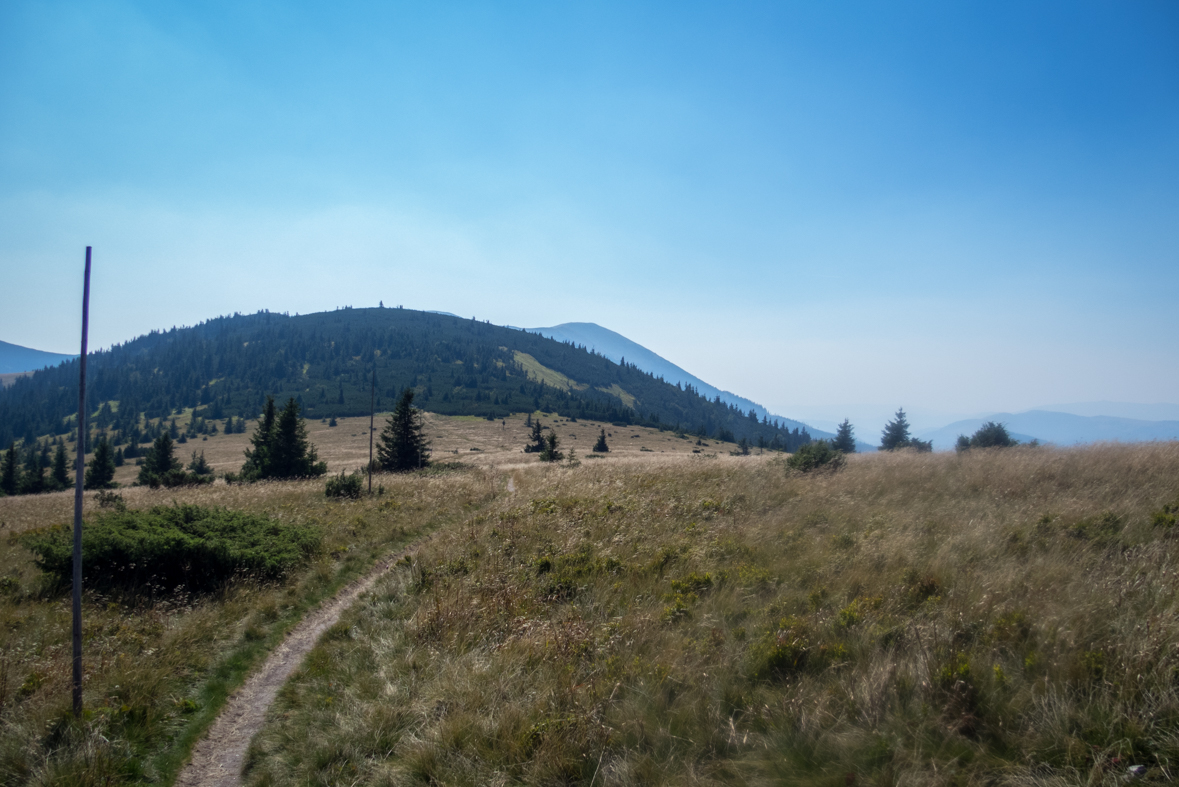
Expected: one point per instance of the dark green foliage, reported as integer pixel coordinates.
(963, 443)
(536, 441)
(992, 435)
(457, 367)
(402, 445)
(819, 454)
(9, 471)
(61, 469)
(345, 485)
(172, 546)
(845, 439)
(600, 446)
(100, 473)
(198, 465)
(896, 432)
(160, 465)
(896, 435)
(550, 452)
(281, 448)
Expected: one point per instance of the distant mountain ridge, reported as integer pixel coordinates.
(14, 358)
(229, 365)
(1058, 428)
(618, 348)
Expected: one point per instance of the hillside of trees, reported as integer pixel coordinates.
(226, 367)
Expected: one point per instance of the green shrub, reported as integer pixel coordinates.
(813, 456)
(345, 485)
(191, 546)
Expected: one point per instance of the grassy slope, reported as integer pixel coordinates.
(999, 617)
(157, 670)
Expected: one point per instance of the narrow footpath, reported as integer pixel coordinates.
(217, 759)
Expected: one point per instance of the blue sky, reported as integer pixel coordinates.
(826, 207)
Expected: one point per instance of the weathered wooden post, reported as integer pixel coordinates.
(80, 471)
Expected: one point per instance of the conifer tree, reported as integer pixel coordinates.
(198, 464)
(402, 445)
(32, 480)
(291, 454)
(845, 439)
(258, 458)
(100, 473)
(9, 471)
(550, 452)
(160, 466)
(536, 441)
(61, 469)
(600, 447)
(896, 432)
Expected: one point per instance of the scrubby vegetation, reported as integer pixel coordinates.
(160, 660)
(173, 547)
(985, 618)
(812, 456)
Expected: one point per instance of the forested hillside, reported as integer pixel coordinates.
(227, 366)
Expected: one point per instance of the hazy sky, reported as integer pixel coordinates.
(835, 207)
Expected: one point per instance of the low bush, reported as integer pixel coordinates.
(813, 456)
(345, 485)
(174, 546)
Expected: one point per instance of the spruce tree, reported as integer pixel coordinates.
(258, 458)
(100, 473)
(160, 466)
(61, 468)
(32, 480)
(9, 471)
(402, 445)
(291, 455)
(600, 447)
(845, 439)
(550, 452)
(536, 441)
(896, 433)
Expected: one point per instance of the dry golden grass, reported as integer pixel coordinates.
(1000, 617)
(159, 664)
(467, 439)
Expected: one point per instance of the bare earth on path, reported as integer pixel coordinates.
(218, 757)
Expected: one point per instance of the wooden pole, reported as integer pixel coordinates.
(372, 414)
(80, 470)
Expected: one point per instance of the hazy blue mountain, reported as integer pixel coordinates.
(617, 347)
(1141, 412)
(1059, 428)
(14, 358)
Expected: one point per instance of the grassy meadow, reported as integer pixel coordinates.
(160, 664)
(664, 614)
(999, 617)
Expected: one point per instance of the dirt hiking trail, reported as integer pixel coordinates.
(218, 757)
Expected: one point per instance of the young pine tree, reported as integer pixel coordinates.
(100, 473)
(61, 468)
(896, 433)
(536, 441)
(600, 447)
(32, 481)
(10, 471)
(291, 454)
(550, 452)
(258, 458)
(845, 438)
(402, 445)
(160, 466)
